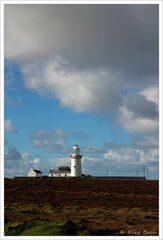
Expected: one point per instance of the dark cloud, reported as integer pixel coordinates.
(90, 149)
(115, 144)
(13, 154)
(145, 142)
(15, 162)
(122, 37)
(56, 140)
(140, 106)
(58, 133)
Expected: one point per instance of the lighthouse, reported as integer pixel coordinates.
(76, 162)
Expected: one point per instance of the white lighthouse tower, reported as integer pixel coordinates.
(76, 162)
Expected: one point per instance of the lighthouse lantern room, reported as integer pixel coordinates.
(76, 162)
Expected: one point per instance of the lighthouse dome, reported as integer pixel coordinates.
(75, 146)
(75, 150)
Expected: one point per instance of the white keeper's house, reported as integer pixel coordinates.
(62, 171)
(34, 173)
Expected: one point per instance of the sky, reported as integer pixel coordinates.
(85, 74)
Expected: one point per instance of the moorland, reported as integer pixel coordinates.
(81, 207)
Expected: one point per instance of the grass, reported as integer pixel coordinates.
(48, 229)
(47, 220)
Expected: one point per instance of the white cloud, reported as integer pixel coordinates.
(8, 126)
(80, 90)
(132, 156)
(36, 160)
(54, 163)
(152, 94)
(95, 91)
(137, 124)
(138, 111)
(25, 156)
(123, 161)
(35, 163)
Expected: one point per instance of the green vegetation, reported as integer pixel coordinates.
(47, 220)
(45, 229)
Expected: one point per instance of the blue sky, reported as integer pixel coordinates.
(91, 81)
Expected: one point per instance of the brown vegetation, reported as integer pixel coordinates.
(81, 207)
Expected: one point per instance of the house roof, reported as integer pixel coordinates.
(64, 169)
(61, 169)
(37, 170)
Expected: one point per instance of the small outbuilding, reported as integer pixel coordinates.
(62, 171)
(34, 173)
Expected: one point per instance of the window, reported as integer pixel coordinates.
(76, 151)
